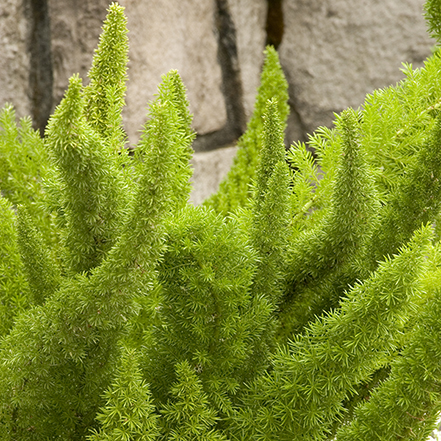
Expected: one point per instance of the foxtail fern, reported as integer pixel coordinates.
(301, 301)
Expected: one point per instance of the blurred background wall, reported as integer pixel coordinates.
(333, 52)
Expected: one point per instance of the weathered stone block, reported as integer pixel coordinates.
(249, 17)
(15, 57)
(336, 51)
(209, 170)
(75, 29)
(168, 35)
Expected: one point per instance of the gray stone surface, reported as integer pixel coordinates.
(75, 28)
(15, 57)
(209, 170)
(178, 35)
(249, 17)
(333, 52)
(163, 35)
(336, 51)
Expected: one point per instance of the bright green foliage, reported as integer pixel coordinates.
(323, 260)
(207, 314)
(172, 90)
(105, 94)
(301, 302)
(269, 232)
(235, 189)
(406, 405)
(189, 416)
(89, 182)
(433, 16)
(172, 95)
(270, 210)
(41, 272)
(70, 343)
(14, 290)
(129, 413)
(24, 164)
(305, 184)
(303, 394)
(74, 335)
(414, 201)
(272, 152)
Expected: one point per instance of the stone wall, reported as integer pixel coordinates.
(15, 57)
(333, 53)
(174, 35)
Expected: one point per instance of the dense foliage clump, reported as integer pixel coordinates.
(301, 301)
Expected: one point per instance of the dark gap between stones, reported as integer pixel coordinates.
(231, 84)
(41, 76)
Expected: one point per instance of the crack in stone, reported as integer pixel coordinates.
(231, 83)
(41, 75)
(274, 23)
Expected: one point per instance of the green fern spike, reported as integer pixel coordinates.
(188, 415)
(183, 105)
(91, 185)
(269, 281)
(270, 210)
(272, 151)
(42, 274)
(186, 137)
(104, 96)
(235, 190)
(325, 260)
(14, 290)
(173, 90)
(301, 397)
(129, 413)
(269, 232)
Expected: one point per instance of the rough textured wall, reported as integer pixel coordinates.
(75, 29)
(168, 35)
(15, 55)
(249, 18)
(333, 53)
(209, 168)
